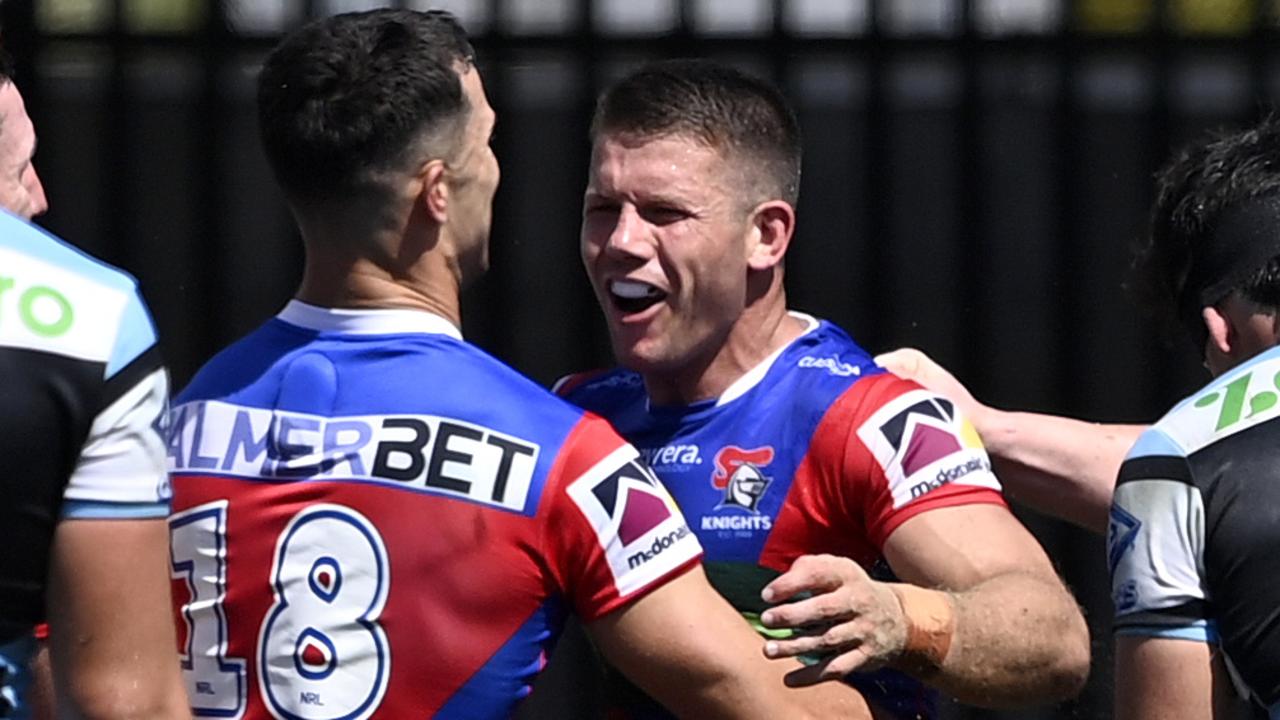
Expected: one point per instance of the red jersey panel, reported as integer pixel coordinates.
(393, 524)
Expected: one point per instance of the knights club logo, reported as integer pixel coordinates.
(740, 474)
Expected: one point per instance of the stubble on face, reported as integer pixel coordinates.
(474, 177)
(684, 233)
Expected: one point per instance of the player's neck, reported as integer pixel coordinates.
(332, 278)
(760, 331)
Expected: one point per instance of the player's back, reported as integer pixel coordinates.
(377, 518)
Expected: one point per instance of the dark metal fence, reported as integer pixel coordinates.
(966, 190)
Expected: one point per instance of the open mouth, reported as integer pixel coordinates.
(633, 296)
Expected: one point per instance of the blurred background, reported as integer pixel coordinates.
(977, 173)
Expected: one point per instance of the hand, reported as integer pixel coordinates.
(912, 364)
(863, 627)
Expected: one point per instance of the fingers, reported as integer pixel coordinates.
(820, 610)
(831, 668)
(904, 362)
(814, 574)
(828, 640)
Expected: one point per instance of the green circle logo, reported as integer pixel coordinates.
(45, 326)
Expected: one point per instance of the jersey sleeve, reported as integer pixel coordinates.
(908, 450)
(121, 472)
(1155, 545)
(613, 532)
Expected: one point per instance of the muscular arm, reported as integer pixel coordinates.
(684, 645)
(112, 643)
(1018, 637)
(1169, 679)
(1059, 466)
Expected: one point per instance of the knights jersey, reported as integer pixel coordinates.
(373, 518)
(82, 390)
(815, 450)
(1194, 530)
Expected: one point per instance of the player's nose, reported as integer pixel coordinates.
(626, 237)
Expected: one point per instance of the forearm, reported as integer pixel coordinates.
(1017, 639)
(1059, 466)
(111, 638)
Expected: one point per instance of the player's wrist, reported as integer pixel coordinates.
(930, 619)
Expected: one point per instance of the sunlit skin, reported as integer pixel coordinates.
(472, 177)
(1237, 331)
(20, 190)
(672, 213)
(420, 247)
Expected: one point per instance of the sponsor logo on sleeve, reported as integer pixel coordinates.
(1125, 597)
(922, 444)
(640, 529)
(1122, 531)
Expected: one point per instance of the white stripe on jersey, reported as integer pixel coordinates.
(123, 459)
(51, 309)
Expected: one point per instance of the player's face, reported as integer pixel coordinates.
(664, 241)
(473, 180)
(20, 190)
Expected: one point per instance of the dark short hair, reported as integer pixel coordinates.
(1219, 196)
(347, 98)
(731, 111)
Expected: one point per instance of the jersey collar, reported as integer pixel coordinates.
(347, 321)
(753, 376)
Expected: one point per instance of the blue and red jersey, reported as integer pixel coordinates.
(373, 518)
(816, 450)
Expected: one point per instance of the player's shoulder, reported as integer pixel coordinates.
(601, 390)
(29, 244)
(825, 354)
(376, 374)
(1238, 401)
(67, 302)
(809, 374)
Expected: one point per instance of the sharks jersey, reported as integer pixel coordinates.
(1194, 526)
(82, 391)
(373, 518)
(816, 450)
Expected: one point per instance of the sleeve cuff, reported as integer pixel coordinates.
(95, 510)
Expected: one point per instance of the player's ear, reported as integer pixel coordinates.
(1221, 339)
(434, 194)
(772, 224)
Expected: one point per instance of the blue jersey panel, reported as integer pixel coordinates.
(330, 375)
(15, 677)
(510, 672)
(731, 462)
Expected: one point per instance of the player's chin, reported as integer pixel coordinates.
(637, 352)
